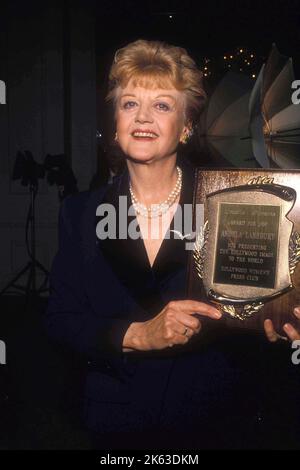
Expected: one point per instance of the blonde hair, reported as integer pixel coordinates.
(155, 64)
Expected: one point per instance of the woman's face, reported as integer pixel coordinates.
(150, 122)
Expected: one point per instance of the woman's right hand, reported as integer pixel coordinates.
(175, 324)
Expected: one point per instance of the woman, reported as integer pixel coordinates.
(153, 379)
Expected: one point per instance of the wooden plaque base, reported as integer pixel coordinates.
(279, 310)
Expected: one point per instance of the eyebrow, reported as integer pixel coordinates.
(127, 94)
(166, 96)
(158, 96)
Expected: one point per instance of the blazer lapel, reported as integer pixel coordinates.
(127, 257)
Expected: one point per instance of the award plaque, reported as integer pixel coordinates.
(246, 255)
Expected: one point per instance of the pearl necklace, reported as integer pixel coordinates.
(157, 210)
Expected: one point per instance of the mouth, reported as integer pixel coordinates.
(144, 134)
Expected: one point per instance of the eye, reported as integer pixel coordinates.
(162, 106)
(129, 104)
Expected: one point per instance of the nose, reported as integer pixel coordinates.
(143, 114)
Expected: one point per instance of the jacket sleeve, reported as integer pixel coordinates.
(69, 318)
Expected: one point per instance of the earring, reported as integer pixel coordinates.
(116, 137)
(184, 138)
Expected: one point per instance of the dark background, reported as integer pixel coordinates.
(205, 29)
(54, 58)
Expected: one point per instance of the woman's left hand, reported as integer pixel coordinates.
(291, 332)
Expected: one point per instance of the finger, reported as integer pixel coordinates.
(179, 333)
(208, 311)
(187, 321)
(192, 306)
(189, 332)
(297, 312)
(181, 329)
(292, 333)
(180, 339)
(270, 331)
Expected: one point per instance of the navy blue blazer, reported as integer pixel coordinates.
(98, 287)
